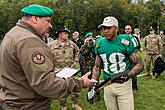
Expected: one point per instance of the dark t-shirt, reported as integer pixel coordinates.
(79, 42)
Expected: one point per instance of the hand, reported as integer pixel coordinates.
(88, 82)
(160, 55)
(86, 41)
(73, 64)
(121, 79)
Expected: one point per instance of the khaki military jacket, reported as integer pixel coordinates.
(153, 44)
(66, 55)
(27, 71)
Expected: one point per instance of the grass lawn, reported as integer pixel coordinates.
(149, 97)
(151, 94)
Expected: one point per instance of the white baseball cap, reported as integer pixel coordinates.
(76, 33)
(137, 29)
(109, 21)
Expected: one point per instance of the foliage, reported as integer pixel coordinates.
(86, 15)
(153, 13)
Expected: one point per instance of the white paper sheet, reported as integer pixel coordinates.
(66, 72)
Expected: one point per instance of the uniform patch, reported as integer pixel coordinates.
(38, 58)
(125, 41)
(97, 45)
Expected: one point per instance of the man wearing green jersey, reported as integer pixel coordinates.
(118, 54)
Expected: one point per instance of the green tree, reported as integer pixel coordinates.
(153, 13)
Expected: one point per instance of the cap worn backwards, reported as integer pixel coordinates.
(37, 10)
(109, 21)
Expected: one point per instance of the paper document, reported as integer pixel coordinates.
(67, 72)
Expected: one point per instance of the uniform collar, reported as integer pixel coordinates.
(29, 27)
(152, 35)
(66, 43)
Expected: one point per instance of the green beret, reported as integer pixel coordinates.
(37, 10)
(88, 34)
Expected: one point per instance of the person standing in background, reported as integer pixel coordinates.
(88, 54)
(48, 39)
(87, 51)
(66, 54)
(153, 48)
(137, 36)
(137, 33)
(163, 41)
(135, 39)
(128, 29)
(161, 34)
(79, 42)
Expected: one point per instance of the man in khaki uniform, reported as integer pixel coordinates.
(163, 41)
(161, 34)
(27, 64)
(66, 54)
(153, 49)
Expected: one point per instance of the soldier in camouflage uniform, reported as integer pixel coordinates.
(88, 54)
(163, 40)
(153, 49)
(88, 59)
(66, 54)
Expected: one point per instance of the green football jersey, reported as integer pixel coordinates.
(115, 54)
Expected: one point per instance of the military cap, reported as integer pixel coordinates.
(88, 34)
(61, 29)
(37, 10)
(109, 21)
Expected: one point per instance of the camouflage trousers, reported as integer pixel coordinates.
(74, 98)
(150, 61)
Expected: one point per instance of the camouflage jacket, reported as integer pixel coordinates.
(163, 40)
(88, 58)
(153, 44)
(66, 55)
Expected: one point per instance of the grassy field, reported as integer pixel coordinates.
(149, 97)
